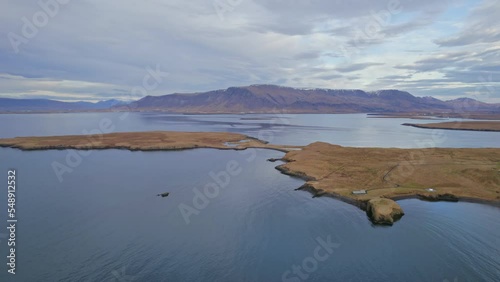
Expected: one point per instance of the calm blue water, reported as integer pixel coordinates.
(347, 130)
(104, 222)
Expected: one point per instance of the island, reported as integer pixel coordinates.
(143, 141)
(461, 125)
(372, 179)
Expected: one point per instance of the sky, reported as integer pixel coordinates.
(122, 49)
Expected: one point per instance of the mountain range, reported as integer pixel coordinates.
(268, 99)
(42, 105)
(272, 98)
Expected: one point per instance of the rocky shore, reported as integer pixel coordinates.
(389, 174)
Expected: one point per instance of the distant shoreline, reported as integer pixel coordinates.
(490, 126)
(438, 116)
(409, 115)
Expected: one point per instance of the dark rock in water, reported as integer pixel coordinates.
(440, 197)
(273, 160)
(298, 174)
(163, 195)
(307, 187)
(448, 197)
(319, 193)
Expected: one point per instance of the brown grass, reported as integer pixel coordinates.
(145, 141)
(393, 173)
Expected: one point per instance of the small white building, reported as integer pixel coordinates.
(359, 192)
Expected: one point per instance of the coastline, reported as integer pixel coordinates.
(143, 141)
(328, 170)
(467, 175)
(316, 193)
(486, 126)
(437, 116)
(363, 204)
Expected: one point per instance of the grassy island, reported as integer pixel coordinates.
(142, 141)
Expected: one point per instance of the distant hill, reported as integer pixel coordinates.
(43, 105)
(267, 99)
(271, 98)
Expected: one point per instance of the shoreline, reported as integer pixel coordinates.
(485, 126)
(456, 174)
(461, 175)
(143, 141)
(361, 204)
(395, 115)
(491, 116)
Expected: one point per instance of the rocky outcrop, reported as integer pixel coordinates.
(285, 170)
(439, 197)
(383, 211)
(311, 189)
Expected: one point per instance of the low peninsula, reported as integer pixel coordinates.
(461, 125)
(363, 176)
(370, 178)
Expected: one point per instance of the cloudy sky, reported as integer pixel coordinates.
(94, 50)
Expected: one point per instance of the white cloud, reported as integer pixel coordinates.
(100, 49)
